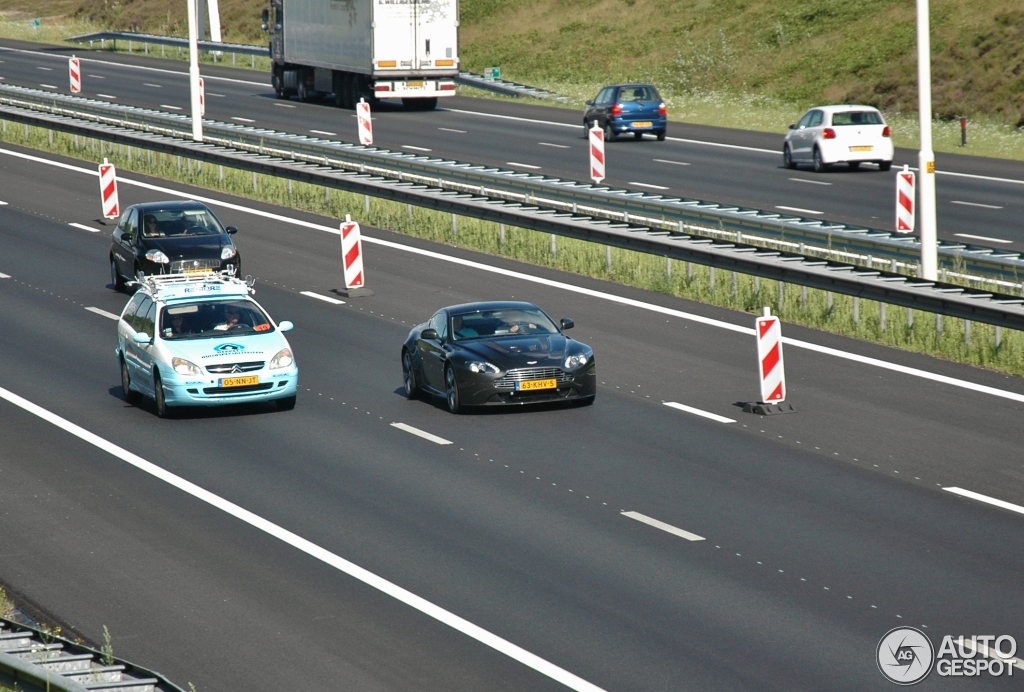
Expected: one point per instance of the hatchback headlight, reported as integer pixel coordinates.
(576, 361)
(483, 366)
(158, 256)
(184, 367)
(228, 252)
(283, 359)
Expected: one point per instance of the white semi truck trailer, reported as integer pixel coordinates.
(369, 49)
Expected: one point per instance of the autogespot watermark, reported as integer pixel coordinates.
(905, 656)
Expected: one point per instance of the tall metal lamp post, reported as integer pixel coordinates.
(926, 157)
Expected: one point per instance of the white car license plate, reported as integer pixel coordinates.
(861, 148)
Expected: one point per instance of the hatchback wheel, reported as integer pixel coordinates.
(609, 133)
(638, 135)
(787, 157)
(819, 165)
(854, 165)
(885, 165)
(661, 135)
(452, 391)
(116, 280)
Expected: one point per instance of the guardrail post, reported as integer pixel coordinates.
(254, 187)
(735, 286)
(782, 292)
(803, 297)
(711, 279)
(881, 316)
(608, 256)
(289, 185)
(967, 332)
(327, 196)
(938, 327)
(910, 318)
(455, 225)
(856, 310)
(757, 286)
(668, 271)
(828, 302)
(999, 337)
(501, 233)
(367, 200)
(554, 249)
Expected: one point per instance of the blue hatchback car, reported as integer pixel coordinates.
(627, 108)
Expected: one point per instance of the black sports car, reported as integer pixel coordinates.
(482, 354)
(170, 238)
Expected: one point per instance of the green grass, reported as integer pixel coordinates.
(693, 282)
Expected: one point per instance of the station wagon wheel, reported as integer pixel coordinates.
(130, 395)
(287, 403)
(408, 376)
(787, 157)
(451, 390)
(115, 276)
(162, 409)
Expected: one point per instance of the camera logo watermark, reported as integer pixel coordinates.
(905, 655)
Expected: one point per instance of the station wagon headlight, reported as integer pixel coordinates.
(283, 359)
(158, 256)
(228, 252)
(483, 366)
(576, 361)
(184, 367)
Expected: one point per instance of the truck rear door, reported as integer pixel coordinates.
(436, 40)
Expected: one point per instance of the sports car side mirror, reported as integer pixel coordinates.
(231, 230)
(429, 334)
(567, 323)
(142, 338)
(285, 326)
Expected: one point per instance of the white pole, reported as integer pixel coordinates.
(926, 157)
(214, 7)
(193, 72)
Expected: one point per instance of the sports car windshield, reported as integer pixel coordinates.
(169, 223)
(506, 322)
(209, 320)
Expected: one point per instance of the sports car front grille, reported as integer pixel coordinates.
(234, 368)
(510, 378)
(181, 265)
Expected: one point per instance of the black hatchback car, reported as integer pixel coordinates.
(627, 108)
(170, 238)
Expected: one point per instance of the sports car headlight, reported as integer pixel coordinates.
(184, 367)
(576, 361)
(283, 359)
(483, 366)
(228, 252)
(158, 256)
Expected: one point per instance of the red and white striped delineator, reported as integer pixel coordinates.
(769, 358)
(596, 153)
(905, 200)
(202, 98)
(352, 251)
(75, 74)
(108, 190)
(365, 124)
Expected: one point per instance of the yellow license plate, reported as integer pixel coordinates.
(239, 381)
(642, 124)
(861, 148)
(536, 384)
(414, 84)
(193, 271)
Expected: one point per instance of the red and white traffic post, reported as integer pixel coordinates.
(75, 74)
(108, 190)
(352, 255)
(905, 200)
(202, 98)
(596, 153)
(770, 367)
(365, 124)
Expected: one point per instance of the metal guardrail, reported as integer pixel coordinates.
(533, 213)
(37, 661)
(505, 87)
(858, 245)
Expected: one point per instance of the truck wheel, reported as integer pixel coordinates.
(278, 85)
(302, 89)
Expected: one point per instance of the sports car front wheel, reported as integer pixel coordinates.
(409, 376)
(452, 391)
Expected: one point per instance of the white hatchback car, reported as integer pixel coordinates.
(839, 134)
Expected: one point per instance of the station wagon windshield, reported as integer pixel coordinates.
(209, 320)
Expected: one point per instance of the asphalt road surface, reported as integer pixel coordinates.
(979, 200)
(325, 548)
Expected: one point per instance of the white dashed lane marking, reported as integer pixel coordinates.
(556, 146)
(522, 165)
(324, 132)
(975, 204)
(448, 129)
(698, 412)
(4, 276)
(242, 120)
(674, 163)
(84, 227)
(48, 86)
(3, 204)
(799, 210)
(810, 182)
(104, 313)
(155, 86)
(108, 96)
(983, 238)
(649, 186)
(409, 146)
(986, 499)
(326, 299)
(421, 433)
(169, 107)
(44, 69)
(285, 105)
(663, 526)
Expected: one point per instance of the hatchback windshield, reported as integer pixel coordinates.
(161, 223)
(209, 320)
(509, 322)
(857, 118)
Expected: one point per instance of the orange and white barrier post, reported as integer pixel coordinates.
(108, 190)
(770, 367)
(905, 200)
(596, 153)
(202, 98)
(75, 74)
(365, 124)
(352, 252)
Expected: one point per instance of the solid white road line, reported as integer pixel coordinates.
(561, 285)
(698, 412)
(812, 182)
(986, 499)
(170, 108)
(556, 146)
(326, 299)
(242, 120)
(649, 186)
(674, 163)
(48, 86)
(663, 526)
(522, 165)
(421, 433)
(409, 146)
(324, 132)
(313, 550)
(84, 227)
(975, 204)
(104, 313)
(155, 86)
(983, 238)
(798, 210)
(448, 129)
(108, 96)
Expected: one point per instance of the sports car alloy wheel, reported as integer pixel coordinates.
(452, 391)
(787, 157)
(130, 395)
(408, 376)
